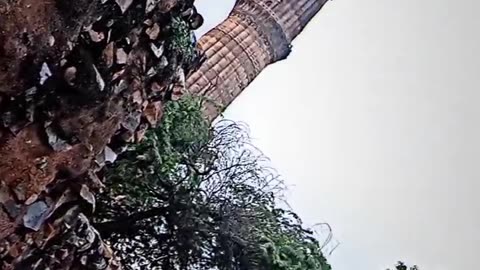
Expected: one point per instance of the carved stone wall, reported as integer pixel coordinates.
(256, 33)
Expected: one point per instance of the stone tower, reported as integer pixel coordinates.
(255, 34)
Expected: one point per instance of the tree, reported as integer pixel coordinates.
(401, 266)
(208, 202)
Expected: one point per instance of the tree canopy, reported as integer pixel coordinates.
(195, 197)
(402, 266)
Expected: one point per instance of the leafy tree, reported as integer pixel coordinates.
(401, 266)
(194, 197)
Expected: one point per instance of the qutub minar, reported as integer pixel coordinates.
(256, 34)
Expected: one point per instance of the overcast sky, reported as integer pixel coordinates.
(374, 122)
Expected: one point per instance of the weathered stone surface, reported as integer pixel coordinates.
(96, 89)
(35, 31)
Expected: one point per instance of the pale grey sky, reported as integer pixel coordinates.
(374, 122)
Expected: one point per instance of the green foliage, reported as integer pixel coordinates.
(290, 247)
(401, 266)
(195, 197)
(155, 161)
(181, 40)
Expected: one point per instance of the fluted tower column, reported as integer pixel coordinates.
(255, 34)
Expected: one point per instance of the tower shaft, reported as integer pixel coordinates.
(256, 34)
